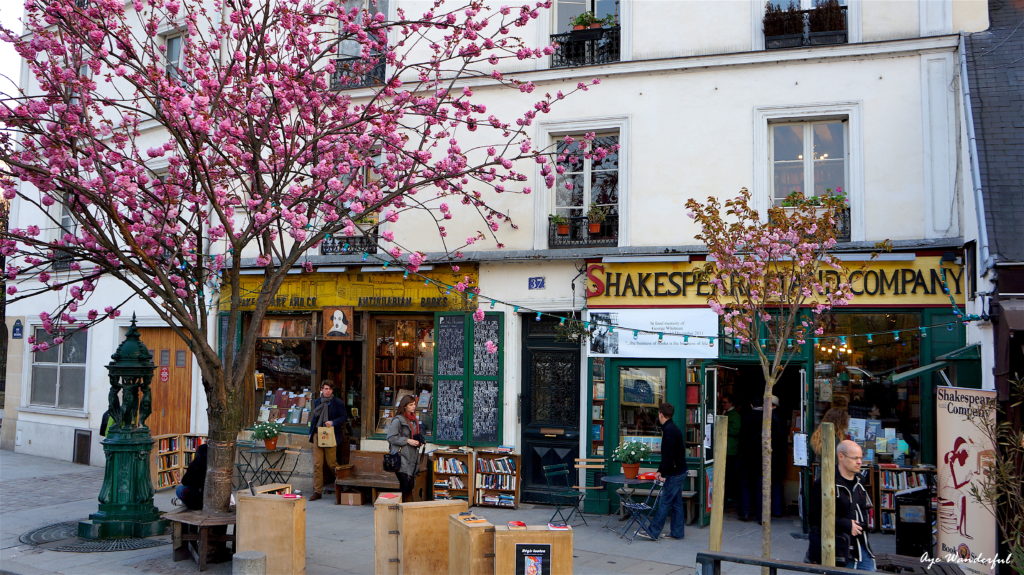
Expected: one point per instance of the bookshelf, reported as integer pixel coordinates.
(453, 475)
(693, 434)
(597, 408)
(497, 479)
(891, 479)
(166, 461)
(190, 442)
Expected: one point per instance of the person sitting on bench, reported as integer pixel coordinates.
(190, 492)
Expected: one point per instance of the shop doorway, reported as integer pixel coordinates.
(341, 363)
(172, 381)
(550, 413)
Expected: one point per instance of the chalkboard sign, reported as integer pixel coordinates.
(449, 410)
(485, 411)
(450, 351)
(484, 362)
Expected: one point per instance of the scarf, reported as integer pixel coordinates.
(320, 417)
(414, 424)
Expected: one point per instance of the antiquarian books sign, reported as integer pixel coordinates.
(965, 452)
(685, 333)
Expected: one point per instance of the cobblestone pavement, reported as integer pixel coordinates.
(34, 492)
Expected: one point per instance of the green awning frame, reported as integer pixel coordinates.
(966, 353)
(918, 371)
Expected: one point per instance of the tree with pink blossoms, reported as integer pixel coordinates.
(772, 279)
(159, 139)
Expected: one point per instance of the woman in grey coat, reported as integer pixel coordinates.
(405, 438)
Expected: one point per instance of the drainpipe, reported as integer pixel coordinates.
(972, 147)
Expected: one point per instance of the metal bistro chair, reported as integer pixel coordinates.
(564, 496)
(641, 513)
(282, 472)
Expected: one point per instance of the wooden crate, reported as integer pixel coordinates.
(385, 533)
(558, 544)
(470, 545)
(423, 535)
(275, 525)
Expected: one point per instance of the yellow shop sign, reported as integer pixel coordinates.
(670, 284)
(385, 291)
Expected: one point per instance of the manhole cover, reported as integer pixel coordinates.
(64, 537)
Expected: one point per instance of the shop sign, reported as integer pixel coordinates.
(18, 331)
(670, 284)
(165, 374)
(385, 291)
(701, 324)
(966, 530)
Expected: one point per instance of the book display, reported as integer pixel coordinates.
(170, 457)
(403, 364)
(190, 442)
(453, 475)
(497, 479)
(693, 434)
(892, 479)
(597, 408)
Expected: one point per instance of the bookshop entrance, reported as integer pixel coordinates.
(172, 381)
(341, 363)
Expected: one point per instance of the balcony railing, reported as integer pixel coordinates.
(585, 47)
(842, 223)
(352, 73)
(809, 36)
(334, 246)
(577, 233)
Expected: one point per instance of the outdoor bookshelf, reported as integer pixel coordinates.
(453, 475)
(597, 408)
(166, 461)
(190, 442)
(891, 479)
(694, 432)
(497, 479)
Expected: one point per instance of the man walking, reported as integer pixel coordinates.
(328, 411)
(732, 449)
(672, 471)
(852, 504)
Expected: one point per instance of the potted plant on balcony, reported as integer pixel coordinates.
(584, 21)
(561, 224)
(827, 24)
(783, 27)
(596, 215)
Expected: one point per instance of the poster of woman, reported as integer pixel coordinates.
(337, 322)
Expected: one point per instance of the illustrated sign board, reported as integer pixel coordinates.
(965, 528)
(699, 324)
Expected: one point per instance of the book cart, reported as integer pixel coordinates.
(453, 475)
(497, 479)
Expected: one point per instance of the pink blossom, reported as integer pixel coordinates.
(491, 347)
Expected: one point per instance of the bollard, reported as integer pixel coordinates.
(249, 563)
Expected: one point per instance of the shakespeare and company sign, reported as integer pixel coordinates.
(967, 530)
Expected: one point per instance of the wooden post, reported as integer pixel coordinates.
(718, 488)
(828, 495)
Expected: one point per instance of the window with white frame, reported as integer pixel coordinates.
(58, 373)
(809, 157)
(67, 225)
(565, 11)
(174, 45)
(587, 182)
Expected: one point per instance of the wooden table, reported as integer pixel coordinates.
(189, 526)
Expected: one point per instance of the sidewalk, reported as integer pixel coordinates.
(35, 492)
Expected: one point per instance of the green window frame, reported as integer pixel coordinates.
(472, 383)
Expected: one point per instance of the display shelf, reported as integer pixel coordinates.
(597, 407)
(189, 443)
(453, 475)
(166, 461)
(694, 431)
(892, 478)
(496, 482)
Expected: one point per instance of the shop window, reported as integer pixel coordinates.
(58, 373)
(641, 391)
(469, 379)
(284, 369)
(856, 374)
(403, 364)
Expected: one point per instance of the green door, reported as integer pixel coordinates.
(634, 389)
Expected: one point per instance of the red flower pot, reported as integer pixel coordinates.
(631, 470)
(270, 444)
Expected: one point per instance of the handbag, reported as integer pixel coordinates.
(325, 437)
(392, 462)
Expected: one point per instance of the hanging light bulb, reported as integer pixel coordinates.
(538, 316)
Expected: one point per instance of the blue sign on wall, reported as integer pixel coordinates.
(536, 283)
(18, 331)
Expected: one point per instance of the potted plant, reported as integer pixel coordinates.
(783, 27)
(596, 216)
(826, 24)
(630, 454)
(561, 224)
(585, 20)
(268, 432)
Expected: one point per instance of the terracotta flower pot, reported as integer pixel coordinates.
(597, 25)
(270, 443)
(579, 27)
(631, 470)
(562, 229)
(594, 227)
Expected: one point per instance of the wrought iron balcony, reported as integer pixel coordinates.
(334, 246)
(842, 223)
(804, 30)
(585, 47)
(577, 233)
(352, 73)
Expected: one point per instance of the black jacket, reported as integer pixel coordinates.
(852, 504)
(195, 479)
(337, 413)
(673, 450)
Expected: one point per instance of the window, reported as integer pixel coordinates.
(567, 10)
(173, 44)
(58, 373)
(403, 364)
(351, 70)
(586, 195)
(808, 157)
(62, 259)
(468, 372)
(589, 40)
(791, 24)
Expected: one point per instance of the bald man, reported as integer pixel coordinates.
(852, 505)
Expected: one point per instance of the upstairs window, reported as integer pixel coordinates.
(585, 32)
(795, 23)
(173, 44)
(586, 211)
(58, 374)
(808, 157)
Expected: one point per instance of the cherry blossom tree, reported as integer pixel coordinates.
(158, 140)
(772, 280)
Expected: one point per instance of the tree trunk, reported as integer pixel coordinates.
(225, 420)
(766, 470)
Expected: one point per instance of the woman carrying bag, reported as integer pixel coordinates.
(405, 437)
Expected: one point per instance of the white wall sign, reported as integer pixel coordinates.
(698, 324)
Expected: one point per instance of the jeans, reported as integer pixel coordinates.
(670, 502)
(867, 563)
(180, 492)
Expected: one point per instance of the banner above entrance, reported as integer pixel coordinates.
(676, 284)
(701, 324)
(385, 291)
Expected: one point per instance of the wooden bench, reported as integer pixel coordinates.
(188, 526)
(367, 471)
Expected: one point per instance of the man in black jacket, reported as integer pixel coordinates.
(673, 472)
(328, 411)
(852, 505)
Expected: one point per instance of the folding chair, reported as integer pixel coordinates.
(641, 513)
(282, 472)
(564, 496)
